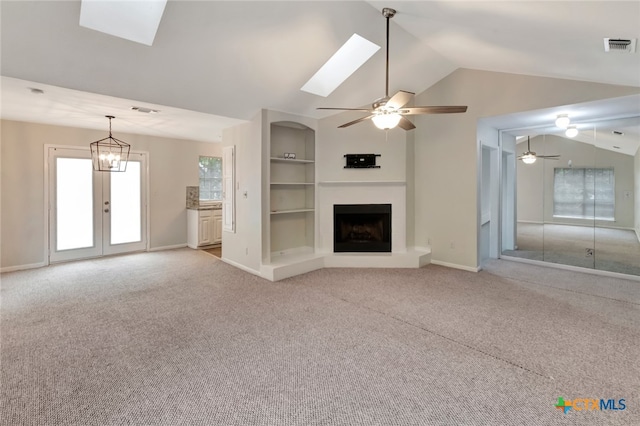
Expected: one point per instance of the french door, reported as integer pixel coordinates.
(91, 213)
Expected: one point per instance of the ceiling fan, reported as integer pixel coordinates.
(389, 112)
(530, 157)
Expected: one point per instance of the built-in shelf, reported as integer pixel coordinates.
(292, 192)
(290, 160)
(292, 211)
(292, 183)
(362, 182)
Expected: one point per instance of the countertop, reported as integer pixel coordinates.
(216, 206)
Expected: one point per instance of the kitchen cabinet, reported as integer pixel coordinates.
(204, 227)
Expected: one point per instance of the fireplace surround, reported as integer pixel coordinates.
(362, 228)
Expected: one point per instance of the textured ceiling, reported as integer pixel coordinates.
(230, 59)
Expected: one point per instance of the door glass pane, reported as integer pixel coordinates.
(125, 208)
(74, 203)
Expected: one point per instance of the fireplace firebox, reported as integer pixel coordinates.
(362, 228)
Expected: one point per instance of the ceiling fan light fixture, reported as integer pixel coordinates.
(571, 132)
(528, 158)
(386, 120)
(562, 121)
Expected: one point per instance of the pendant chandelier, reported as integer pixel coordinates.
(110, 154)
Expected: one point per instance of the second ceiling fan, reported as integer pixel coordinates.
(529, 157)
(389, 112)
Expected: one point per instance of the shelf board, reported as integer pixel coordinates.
(362, 182)
(291, 211)
(292, 183)
(290, 160)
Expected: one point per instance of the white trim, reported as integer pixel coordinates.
(637, 231)
(456, 266)
(147, 184)
(172, 247)
(239, 266)
(573, 268)
(46, 223)
(22, 267)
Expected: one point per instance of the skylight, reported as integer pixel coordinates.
(351, 56)
(132, 20)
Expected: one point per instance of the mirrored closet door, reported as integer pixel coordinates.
(576, 199)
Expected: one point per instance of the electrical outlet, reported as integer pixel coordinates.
(452, 245)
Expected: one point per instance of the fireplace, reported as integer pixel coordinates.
(361, 228)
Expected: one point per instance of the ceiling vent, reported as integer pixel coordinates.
(145, 110)
(621, 45)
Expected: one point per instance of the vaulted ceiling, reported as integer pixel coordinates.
(215, 63)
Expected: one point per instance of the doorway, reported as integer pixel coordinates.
(93, 214)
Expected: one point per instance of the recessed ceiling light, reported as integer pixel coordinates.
(145, 110)
(351, 56)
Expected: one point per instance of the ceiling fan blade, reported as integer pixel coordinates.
(348, 109)
(400, 99)
(355, 121)
(432, 110)
(549, 157)
(406, 124)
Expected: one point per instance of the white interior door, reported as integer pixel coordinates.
(92, 213)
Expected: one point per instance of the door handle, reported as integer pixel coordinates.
(106, 203)
(106, 210)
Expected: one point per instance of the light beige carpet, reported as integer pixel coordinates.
(179, 337)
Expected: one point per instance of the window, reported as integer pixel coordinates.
(210, 179)
(584, 193)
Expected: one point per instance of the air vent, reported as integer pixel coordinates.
(145, 110)
(620, 45)
(617, 133)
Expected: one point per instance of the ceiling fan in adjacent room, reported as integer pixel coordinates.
(389, 112)
(529, 157)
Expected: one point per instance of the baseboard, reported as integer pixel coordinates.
(456, 266)
(637, 234)
(173, 247)
(22, 267)
(239, 266)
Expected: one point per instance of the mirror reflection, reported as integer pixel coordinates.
(576, 200)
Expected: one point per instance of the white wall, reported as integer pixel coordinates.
(535, 181)
(636, 186)
(173, 165)
(362, 138)
(446, 153)
(387, 184)
(244, 247)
